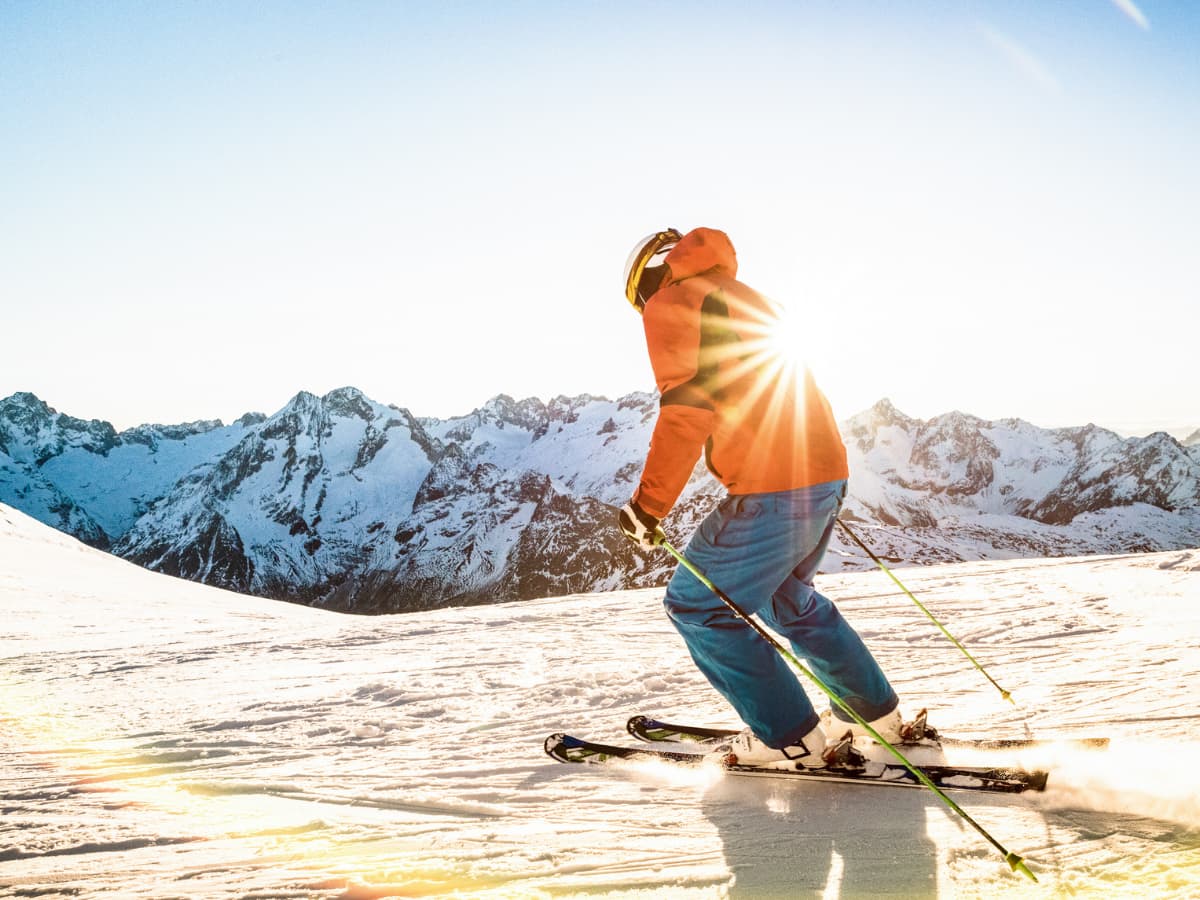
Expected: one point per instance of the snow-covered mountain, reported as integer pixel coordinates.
(87, 479)
(356, 505)
(957, 487)
(344, 502)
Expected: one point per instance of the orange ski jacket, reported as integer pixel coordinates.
(764, 424)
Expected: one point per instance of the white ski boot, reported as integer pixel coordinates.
(891, 727)
(812, 752)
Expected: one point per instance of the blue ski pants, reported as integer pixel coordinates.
(763, 551)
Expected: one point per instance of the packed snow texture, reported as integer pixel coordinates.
(160, 738)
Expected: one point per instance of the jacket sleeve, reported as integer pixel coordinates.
(685, 417)
(678, 439)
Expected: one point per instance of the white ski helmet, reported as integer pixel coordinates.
(649, 252)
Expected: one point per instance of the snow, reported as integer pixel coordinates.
(102, 484)
(570, 451)
(160, 738)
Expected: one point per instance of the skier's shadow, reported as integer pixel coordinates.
(783, 839)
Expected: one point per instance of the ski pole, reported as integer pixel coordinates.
(921, 606)
(1015, 862)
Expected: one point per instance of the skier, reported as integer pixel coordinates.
(770, 437)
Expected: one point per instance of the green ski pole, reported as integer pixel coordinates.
(1015, 862)
(921, 606)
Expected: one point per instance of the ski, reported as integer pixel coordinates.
(568, 749)
(653, 731)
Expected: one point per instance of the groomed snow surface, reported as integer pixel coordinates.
(163, 739)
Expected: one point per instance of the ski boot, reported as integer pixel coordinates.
(891, 727)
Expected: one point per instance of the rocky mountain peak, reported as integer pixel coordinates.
(32, 429)
(528, 414)
(24, 400)
(304, 401)
(958, 421)
(349, 402)
(1162, 441)
(499, 406)
(21, 416)
(501, 411)
(566, 409)
(956, 435)
(882, 415)
(305, 413)
(25, 413)
(1091, 438)
(151, 435)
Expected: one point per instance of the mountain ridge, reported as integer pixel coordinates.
(344, 502)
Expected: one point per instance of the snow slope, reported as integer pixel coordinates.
(159, 738)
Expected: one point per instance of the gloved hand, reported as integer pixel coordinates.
(639, 526)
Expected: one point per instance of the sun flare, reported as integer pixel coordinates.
(785, 339)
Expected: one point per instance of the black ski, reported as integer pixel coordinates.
(651, 730)
(565, 748)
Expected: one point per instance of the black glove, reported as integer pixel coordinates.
(639, 526)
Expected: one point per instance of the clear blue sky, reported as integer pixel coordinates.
(987, 206)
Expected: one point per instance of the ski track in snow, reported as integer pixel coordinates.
(163, 739)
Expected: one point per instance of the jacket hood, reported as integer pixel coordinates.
(702, 250)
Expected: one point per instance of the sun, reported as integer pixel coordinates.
(785, 338)
(760, 359)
